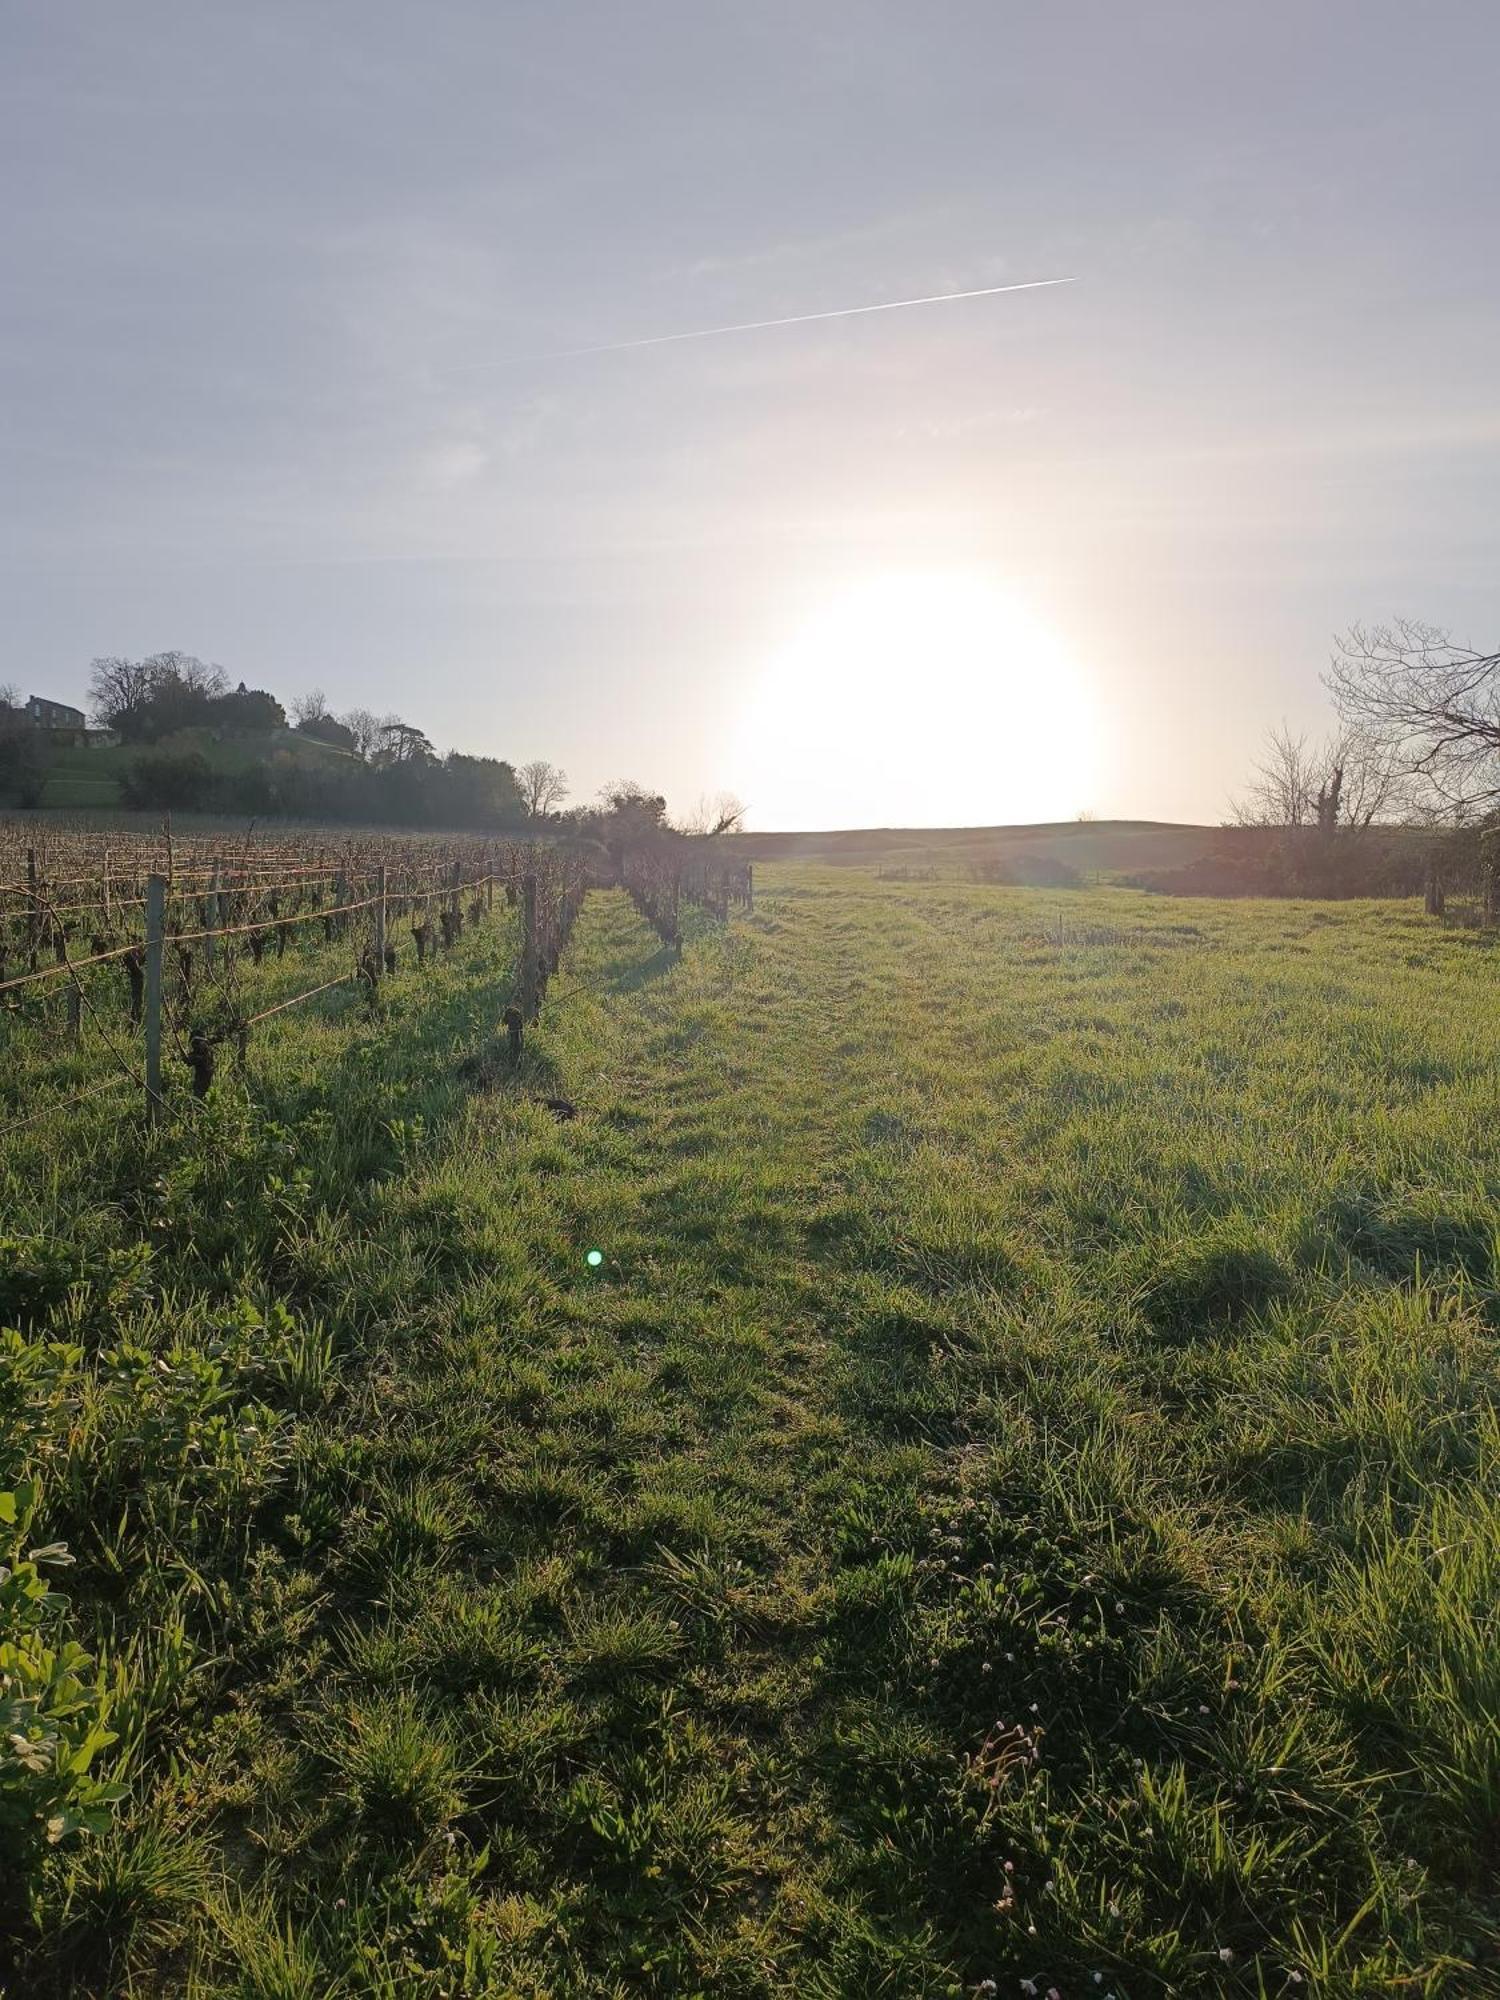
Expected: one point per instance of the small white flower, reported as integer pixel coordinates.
(1028, 1986)
(1225, 1953)
(1119, 1608)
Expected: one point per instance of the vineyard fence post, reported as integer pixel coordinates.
(156, 914)
(75, 1005)
(213, 916)
(528, 948)
(379, 922)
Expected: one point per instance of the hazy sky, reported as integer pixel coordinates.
(291, 294)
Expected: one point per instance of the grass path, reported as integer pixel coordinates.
(1015, 1502)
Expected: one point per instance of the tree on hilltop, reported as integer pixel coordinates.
(543, 787)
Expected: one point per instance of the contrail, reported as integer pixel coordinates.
(803, 319)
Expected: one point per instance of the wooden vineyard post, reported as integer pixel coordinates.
(106, 888)
(156, 915)
(379, 922)
(213, 918)
(529, 997)
(33, 925)
(749, 886)
(75, 1005)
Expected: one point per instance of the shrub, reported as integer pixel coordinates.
(175, 779)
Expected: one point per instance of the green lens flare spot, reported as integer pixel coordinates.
(594, 1259)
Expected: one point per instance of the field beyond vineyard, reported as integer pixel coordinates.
(1016, 1500)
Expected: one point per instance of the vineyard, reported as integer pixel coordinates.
(185, 947)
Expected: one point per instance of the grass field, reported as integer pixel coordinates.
(1015, 1502)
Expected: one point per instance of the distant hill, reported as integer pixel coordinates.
(1104, 847)
(1145, 853)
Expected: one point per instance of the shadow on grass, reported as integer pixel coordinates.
(644, 971)
(629, 973)
(422, 1065)
(417, 1067)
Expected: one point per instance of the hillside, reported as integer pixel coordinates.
(1107, 847)
(80, 780)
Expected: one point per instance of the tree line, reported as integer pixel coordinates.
(202, 744)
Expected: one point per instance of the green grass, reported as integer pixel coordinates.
(1017, 1500)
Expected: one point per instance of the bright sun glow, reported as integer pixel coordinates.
(919, 700)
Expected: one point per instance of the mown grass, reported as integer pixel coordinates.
(1016, 1501)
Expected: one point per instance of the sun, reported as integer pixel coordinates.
(919, 699)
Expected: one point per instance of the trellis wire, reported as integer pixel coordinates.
(547, 884)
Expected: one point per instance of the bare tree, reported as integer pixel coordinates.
(368, 729)
(1348, 780)
(118, 689)
(1372, 789)
(543, 787)
(1281, 786)
(10, 696)
(721, 813)
(1431, 705)
(310, 707)
(152, 697)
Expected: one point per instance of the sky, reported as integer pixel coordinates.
(290, 318)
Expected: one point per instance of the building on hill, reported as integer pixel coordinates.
(55, 714)
(66, 727)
